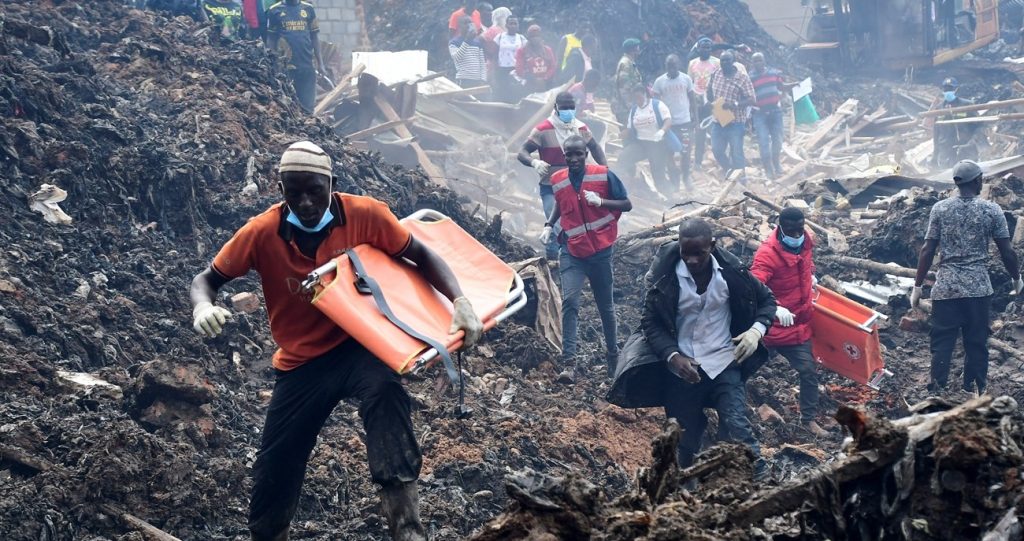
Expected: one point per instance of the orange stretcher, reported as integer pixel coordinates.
(845, 338)
(345, 287)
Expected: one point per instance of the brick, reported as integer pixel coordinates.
(914, 322)
(348, 14)
(332, 14)
(245, 302)
(353, 27)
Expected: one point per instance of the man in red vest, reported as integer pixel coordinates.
(588, 202)
(784, 263)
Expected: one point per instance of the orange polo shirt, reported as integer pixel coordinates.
(266, 244)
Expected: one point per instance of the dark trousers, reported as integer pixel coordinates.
(769, 128)
(726, 393)
(683, 132)
(727, 145)
(304, 81)
(303, 398)
(968, 317)
(700, 136)
(802, 360)
(657, 153)
(573, 271)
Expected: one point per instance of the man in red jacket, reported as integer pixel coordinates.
(784, 263)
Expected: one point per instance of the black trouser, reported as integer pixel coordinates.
(802, 360)
(683, 132)
(969, 317)
(726, 393)
(304, 81)
(303, 399)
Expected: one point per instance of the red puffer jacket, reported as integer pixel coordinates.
(788, 275)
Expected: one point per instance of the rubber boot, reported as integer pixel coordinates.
(400, 504)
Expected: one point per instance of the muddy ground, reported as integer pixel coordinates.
(153, 127)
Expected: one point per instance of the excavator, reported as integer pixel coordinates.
(898, 34)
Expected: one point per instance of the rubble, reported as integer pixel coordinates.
(166, 141)
(914, 474)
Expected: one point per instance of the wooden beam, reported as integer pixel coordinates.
(461, 92)
(846, 110)
(428, 166)
(975, 107)
(379, 128)
(874, 266)
(864, 123)
(981, 119)
(338, 90)
(148, 531)
(477, 170)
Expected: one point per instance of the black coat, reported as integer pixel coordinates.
(641, 373)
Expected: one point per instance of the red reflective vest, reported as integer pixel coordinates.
(587, 229)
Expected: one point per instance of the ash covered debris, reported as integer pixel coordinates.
(154, 128)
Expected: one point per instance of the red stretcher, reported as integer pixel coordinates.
(495, 290)
(845, 338)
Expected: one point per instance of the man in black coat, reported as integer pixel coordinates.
(703, 320)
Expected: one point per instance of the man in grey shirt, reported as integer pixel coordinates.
(960, 228)
(675, 89)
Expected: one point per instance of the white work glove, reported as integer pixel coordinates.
(545, 236)
(208, 319)
(465, 319)
(746, 344)
(915, 297)
(785, 317)
(1018, 286)
(540, 166)
(592, 198)
(659, 135)
(814, 281)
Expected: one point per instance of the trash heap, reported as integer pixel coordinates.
(118, 422)
(942, 473)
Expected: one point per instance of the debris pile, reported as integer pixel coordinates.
(943, 472)
(115, 417)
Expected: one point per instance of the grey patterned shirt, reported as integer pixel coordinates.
(964, 226)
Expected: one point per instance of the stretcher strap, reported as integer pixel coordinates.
(366, 284)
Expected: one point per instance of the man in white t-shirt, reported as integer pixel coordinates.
(647, 124)
(676, 90)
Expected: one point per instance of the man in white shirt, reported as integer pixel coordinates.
(676, 90)
(703, 320)
(647, 125)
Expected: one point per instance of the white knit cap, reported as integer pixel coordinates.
(305, 156)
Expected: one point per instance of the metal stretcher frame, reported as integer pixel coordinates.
(515, 300)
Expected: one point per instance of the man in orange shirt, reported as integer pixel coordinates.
(477, 10)
(317, 364)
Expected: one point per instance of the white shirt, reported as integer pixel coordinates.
(675, 93)
(645, 122)
(507, 47)
(703, 321)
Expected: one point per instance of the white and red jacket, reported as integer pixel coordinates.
(587, 229)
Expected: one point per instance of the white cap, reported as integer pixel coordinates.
(305, 156)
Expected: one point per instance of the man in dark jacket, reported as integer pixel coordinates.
(703, 320)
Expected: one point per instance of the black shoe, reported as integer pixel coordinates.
(611, 361)
(935, 387)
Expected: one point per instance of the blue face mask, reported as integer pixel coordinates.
(793, 242)
(949, 95)
(324, 220)
(566, 115)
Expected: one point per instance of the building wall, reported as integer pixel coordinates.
(341, 22)
(775, 15)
